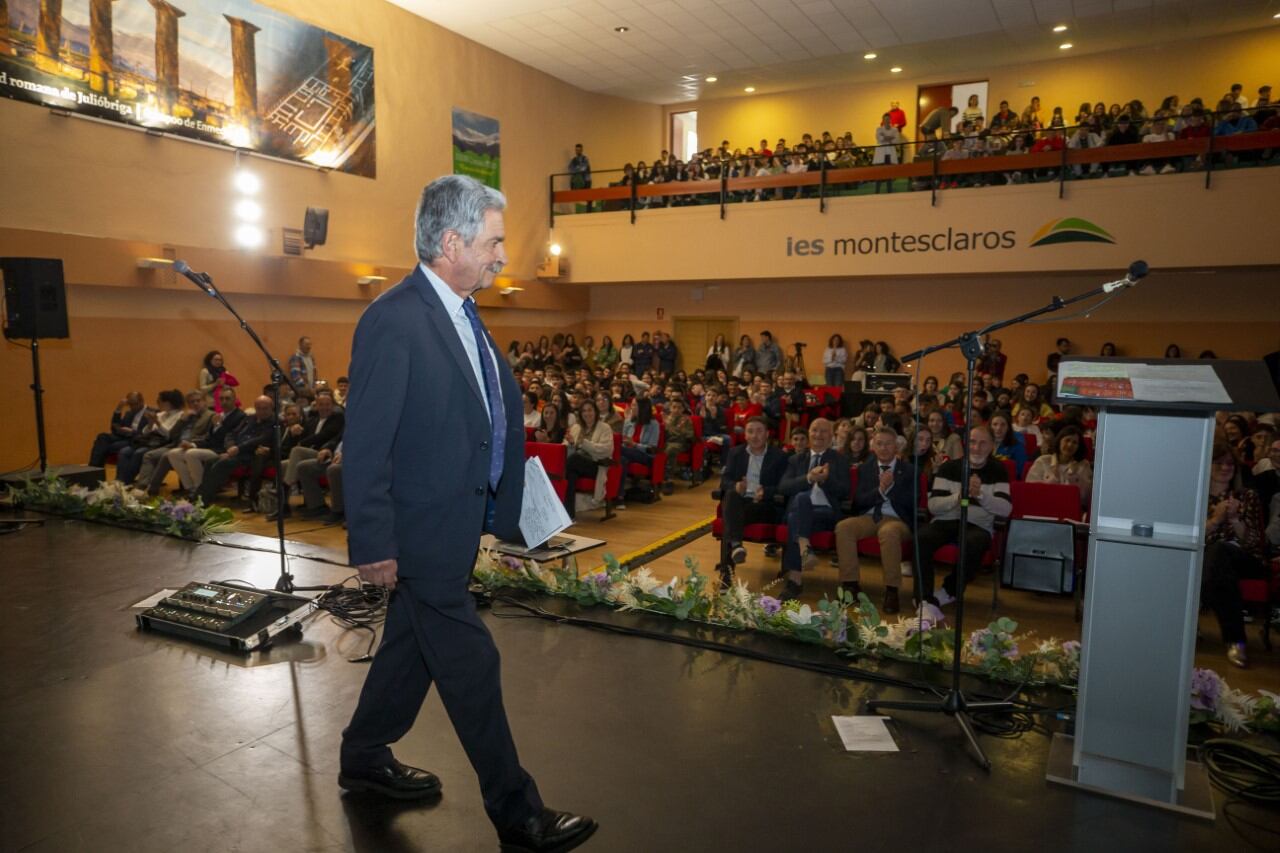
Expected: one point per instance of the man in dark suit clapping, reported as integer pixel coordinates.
(434, 455)
(750, 479)
(816, 482)
(884, 507)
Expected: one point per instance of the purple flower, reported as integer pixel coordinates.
(769, 605)
(1206, 689)
(600, 581)
(1072, 647)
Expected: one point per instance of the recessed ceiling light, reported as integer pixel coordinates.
(621, 29)
(897, 69)
(871, 55)
(712, 79)
(749, 89)
(1061, 28)
(1066, 45)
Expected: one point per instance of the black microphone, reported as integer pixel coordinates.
(1137, 270)
(182, 269)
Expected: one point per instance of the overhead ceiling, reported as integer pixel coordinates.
(671, 46)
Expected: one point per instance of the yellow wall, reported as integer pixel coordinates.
(1204, 67)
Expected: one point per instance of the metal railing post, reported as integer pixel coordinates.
(551, 200)
(933, 192)
(1208, 157)
(822, 187)
(633, 198)
(1062, 178)
(724, 187)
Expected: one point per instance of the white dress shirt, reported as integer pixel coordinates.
(817, 497)
(462, 325)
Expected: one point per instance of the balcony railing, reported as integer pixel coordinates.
(926, 173)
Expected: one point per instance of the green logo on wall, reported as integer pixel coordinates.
(1073, 229)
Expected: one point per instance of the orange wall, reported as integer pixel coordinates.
(1203, 67)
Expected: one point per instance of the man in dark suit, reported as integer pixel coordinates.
(883, 507)
(434, 455)
(126, 421)
(816, 483)
(240, 448)
(748, 483)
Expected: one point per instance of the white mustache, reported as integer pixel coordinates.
(496, 267)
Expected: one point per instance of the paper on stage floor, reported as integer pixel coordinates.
(865, 734)
(1157, 383)
(542, 515)
(153, 600)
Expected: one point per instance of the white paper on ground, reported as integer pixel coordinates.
(542, 515)
(153, 600)
(865, 734)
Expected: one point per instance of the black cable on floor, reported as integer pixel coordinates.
(362, 607)
(1243, 770)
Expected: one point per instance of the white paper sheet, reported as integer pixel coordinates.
(153, 600)
(542, 515)
(1157, 383)
(865, 734)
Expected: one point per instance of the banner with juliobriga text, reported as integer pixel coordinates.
(233, 72)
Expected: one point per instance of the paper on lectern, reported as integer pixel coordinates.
(542, 515)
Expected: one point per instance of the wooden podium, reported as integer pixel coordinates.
(1142, 601)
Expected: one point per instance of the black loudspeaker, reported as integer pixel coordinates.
(35, 298)
(315, 227)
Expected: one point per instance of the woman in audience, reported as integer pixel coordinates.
(930, 385)
(640, 447)
(1172, 351)
(590, 450)
(1234, 548)
(834, 358)
(532, 417)
(570, 355)
(588, 351)
(1024, 422)
(1031, 400)
(213, 377)
(840, 435)
(543, 356)
(922, 454)
(719, 355)
(624, 351)
(1108, 350)
(1031, 115)
(859, 449)
(1064, 462)
(971, 112)
(744, 356)
(551, 430)
(946, 444)
(513, 356)
(1009, 443)
(884, 360)
(607, 356)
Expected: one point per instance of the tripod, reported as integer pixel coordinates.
(954, 703)
(278, 376)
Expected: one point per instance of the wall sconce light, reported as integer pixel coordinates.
(510, 289)
(154, 263)
(371, 279)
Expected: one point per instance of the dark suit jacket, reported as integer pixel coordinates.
(836, 488)
(217, 439)
(416, 446)
(735, 469)
(867, 495)
(327, 438)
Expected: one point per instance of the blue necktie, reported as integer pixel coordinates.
(497, 414)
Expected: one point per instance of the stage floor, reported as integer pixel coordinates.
(112, 739)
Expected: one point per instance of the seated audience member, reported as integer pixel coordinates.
(883, 507)
(642, 447)
(740, 412)
(988, 495)
(922, 456)
(1125, 133)
(799, 443)
(884, 361)
(1024, 423)
(126, 421)
(815, 483)
(590, 452)
(679, 434)
(751, 475)
(343, 387)
(994, 360)
(1064, 462)
(947, 444)
(1160, 132)
(858, 449)
(1030, 399)
(189, 461)
(321, 430)
(328, 466)
(1009, 443)
(532, 417)
(239, 449)
(609, 414)
(154, 434)
(191, 428)
(552, 428)
(1234, 549)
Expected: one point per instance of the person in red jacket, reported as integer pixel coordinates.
(897, 117)
(742, 410)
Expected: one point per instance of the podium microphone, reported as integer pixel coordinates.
(181, 268)
(1137, 270)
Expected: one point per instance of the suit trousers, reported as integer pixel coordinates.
(154, 468)
(309, 473)
(935, 535)
(441, 639)
(803, 520)
(105, 445)
(738, 511)
(891, 532)
(296, 455)
(190, 465)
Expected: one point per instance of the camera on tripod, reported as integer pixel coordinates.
(799, 345)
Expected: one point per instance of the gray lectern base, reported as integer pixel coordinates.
(1195, 799)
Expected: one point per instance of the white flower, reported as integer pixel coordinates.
(644, 580)
(666, 590)
(801, 617)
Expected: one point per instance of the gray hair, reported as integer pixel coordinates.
(452, 203)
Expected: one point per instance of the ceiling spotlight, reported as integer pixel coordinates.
(749, 89)
(248, 210)
(897, 69)
(1061, 28)
(621, 29)
(247, 182)
(250, 236)
(1066, 45)
(869, 55)
(712, 79)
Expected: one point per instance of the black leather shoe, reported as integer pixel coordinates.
(313, 511)
(547, 832)
(854, 588)
(890, 605)
(395, 780)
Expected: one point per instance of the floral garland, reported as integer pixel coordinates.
(115, 503)
(854, 628)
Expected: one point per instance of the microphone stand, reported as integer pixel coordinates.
(954, 703)
(205, 282)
